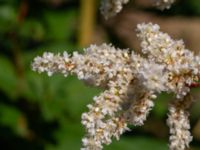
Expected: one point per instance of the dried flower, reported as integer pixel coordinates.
(131, 84)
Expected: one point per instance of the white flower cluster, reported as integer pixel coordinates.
(177, 67)
(164, 4)
(110, 8)
(131, 83)
(179, 124)
(51, 63)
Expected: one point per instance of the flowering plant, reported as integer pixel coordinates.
(131, 82)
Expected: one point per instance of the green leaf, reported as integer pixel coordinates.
(32, 29)
(65, 95)
(195, 6)
(14, 119)
(137, 143)
(195, 111)
(7, 17)
(161, 105)
(8, 78)
(68, 136)
(60, 24)
(79, 95)
(34, 89)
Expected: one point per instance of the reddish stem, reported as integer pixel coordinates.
(194, 85)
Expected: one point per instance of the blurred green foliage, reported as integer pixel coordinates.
(38, 112)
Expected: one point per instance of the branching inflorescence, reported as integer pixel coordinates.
(132, 83)
(110, 8)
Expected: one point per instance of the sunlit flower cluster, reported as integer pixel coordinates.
(131, 83)
(110, 8)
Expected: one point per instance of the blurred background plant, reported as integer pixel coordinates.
(38, 112)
